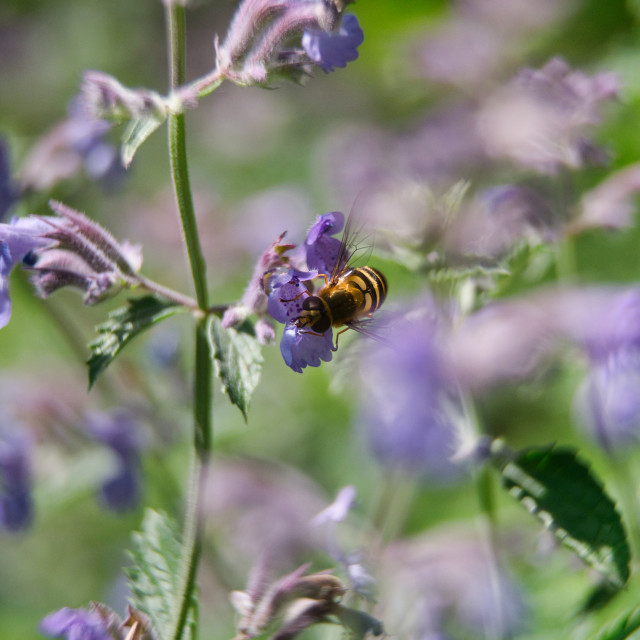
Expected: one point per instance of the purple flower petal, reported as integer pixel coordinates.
(320, 247)
(16, 505)
(75, 624)
(411, 422)
(335, 49)
(287, 293)
(118, 431)
(301, 348)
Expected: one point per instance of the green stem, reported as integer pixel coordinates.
(203, 373)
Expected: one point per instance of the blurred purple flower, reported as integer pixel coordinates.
(17, 240)
(500, 218)
(607, 404)
(119, 431)
(75, 143)
(9, 190)
(410, 410)
(445, 580)
(264, 39)
(543, 118)
(68, 249)
(611, 203)
(16, 505)
(301, 347)
(335, 48)
(75, 624)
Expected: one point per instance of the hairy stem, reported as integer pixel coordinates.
(203, 373)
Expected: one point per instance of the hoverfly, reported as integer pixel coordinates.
(349, 294)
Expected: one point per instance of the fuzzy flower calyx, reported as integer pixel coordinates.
(81, 254)
(294, 603)
(254, 299)
(67, 249)
(287, 37)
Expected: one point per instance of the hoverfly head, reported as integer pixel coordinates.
(314, 315)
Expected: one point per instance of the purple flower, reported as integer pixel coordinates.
(75, 624)
(542, 120)
(320, 246)
(336, 48)
(446, 580)
(301, 347)
(118, 431)
(17, 239)
(607, 403)
(254, 299)
(16, 505)
(412, 421)
(78, 142)
(285, 37)
(9, 191)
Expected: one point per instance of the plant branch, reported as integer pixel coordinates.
(203, 373)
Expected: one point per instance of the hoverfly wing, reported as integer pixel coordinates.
(370, 328)
(348, 245)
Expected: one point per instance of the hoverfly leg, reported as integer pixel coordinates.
(337, 336)
(292, 299)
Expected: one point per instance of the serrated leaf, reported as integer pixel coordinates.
(154, 576)
(238, 361)
(137, 131)
(122, 326)
(622, 628)
(570, 501)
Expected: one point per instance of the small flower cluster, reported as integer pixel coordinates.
(257, 44)
(286, 290)
(96, 623)
(68, 249)
(296, 602)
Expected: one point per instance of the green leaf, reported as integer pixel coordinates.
(154, 576)
(622, 628)
(238, 361)
(571, 502)
(122, 326)
(137, 131)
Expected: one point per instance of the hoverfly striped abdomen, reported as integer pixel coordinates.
(356, 293)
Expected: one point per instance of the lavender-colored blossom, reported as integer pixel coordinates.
(542, 120)
(301, 347)
(334, 49)
(119, 432)
(413, 420)
(71, 250)
(611, 203)
(607, 403)
(78, 142)
(448, 579)
(18, 239)
(320, 246)
(264, 39)
(9, 190)
(75, 624)
(16, 505)
(255, 299)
